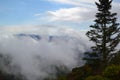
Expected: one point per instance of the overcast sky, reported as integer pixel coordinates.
(77, 14)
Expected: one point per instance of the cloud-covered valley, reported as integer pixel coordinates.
(37, 50)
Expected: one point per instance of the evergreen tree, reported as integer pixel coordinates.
(105, 33)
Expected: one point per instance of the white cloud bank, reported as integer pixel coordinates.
(76, 14)
(37, 58)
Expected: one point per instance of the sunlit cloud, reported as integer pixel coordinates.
(76, 14)
(82, 11)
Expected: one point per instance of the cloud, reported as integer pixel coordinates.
(82, 11)
(37, 14)
(13, 29)
(37, 58)
(116, 9)
(75, 14)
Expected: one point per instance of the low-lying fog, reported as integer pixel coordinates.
(36, 52)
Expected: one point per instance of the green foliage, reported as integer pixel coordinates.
(94, 61)
(86, 73)
(97, 77)
(112, 72)
(62, 78)
(80, 73)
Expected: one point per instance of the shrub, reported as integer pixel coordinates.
(112, 72)
(80, 73)
(97, 77)
(62, 78)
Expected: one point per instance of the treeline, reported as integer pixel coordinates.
(88, 72)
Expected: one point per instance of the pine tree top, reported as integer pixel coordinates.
(104, 5)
